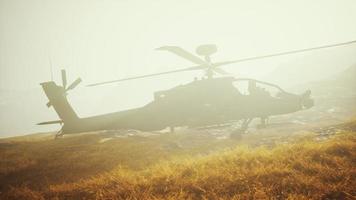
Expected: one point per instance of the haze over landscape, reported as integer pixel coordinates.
(197, 134)
(105, 40)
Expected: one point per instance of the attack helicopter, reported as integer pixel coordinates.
(207, 101)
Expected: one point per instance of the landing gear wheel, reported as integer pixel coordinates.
(264, 122)
(58, 136)
(237, 134)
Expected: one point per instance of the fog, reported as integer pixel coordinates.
(105, 40)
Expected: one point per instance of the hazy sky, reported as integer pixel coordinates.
(100, 40)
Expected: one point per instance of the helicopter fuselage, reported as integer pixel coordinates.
(199, 103)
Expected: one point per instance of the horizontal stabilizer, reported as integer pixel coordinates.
(51, 122)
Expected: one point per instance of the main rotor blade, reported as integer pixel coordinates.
(220, 71)
(149, 75)
(74, 84)
(184, 54)
(64, 78)
(202, 64)
(217, 64)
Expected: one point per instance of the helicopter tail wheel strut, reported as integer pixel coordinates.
(59, 134)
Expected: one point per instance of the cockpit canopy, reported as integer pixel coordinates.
(254, 87)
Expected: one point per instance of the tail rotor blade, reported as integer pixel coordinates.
(64, 78)
(51, 122)
(74, 84)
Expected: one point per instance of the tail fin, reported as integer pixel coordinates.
(57, 98)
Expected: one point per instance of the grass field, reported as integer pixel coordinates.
(179, 166)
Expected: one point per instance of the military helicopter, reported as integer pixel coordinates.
(203, 102)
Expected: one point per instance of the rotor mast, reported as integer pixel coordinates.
(206, 51)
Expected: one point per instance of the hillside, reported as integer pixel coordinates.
(292, 162)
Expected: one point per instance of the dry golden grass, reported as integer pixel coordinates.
(304, 170)
(37, 161)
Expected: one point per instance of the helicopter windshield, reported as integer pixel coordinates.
(254, 87)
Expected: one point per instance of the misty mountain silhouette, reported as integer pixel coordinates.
(348, 76)
(312, 68)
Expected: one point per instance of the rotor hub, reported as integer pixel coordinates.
(206, 50)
